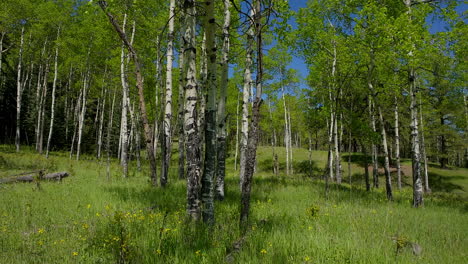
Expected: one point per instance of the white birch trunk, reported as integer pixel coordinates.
(245, 102)
(237, 132)
(124, 112)
(19, 92)
(190, 113)
(41, 114)
(397, 144)
(286, 132)
(167, 140)
(423, 150)
(82, 114)
(375, 164)
(221, 134)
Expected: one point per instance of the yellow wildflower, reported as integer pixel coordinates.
(88, 206)
(75, 253)
(306, 258)
(198, 252)
(263, 251)
(158, 252)
(41, 230)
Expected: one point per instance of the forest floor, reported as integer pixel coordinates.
(88, 218)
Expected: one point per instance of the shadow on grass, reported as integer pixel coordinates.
(439, 183)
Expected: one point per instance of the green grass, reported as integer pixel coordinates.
(89, 219)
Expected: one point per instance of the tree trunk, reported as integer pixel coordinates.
(330, 150)
(42, 109)
(375, 160)
(237, 132)
(82, 114)
(209, 172)
(19, 92)
(388, 179)
(201, 89)
(52, 107)
(75, 121)
(180, 118)
(366, 167)
(274, 156)
(397, 144)
(167, 129)
(337, 150)
(124, 113)
(245, 102)
(253, 136)
(423, 151)
(287, 136)
(109, 135)
(139, 84)
(221, 140)
(190, 113)
(157, 81)
(415, 149)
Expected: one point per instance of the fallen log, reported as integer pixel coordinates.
(58, 176)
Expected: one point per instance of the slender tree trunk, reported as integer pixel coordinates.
(397, 144)
(139, 84)
(366, 167)
(109, 135)
(274, 156)
(42, 109)
(330, 143)
(52, 107)
(375, 164)
(349, 156)
(190, 113)
(124, 112)
(237, 132)
(180, 113)
(245, 102)
(209, 172)
(253, 136)
(19, 92)
(415, 149)
(38, 105)
(157, 81)
(336, 149)
(221, 137)
(388, 179)
(167, 140)
(202, 96)
(287, 136)
(83, 113)
(75, 121)
(423, 151)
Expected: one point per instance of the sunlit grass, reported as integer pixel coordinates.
(87, 218)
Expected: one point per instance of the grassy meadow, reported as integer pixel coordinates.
(88, 218)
